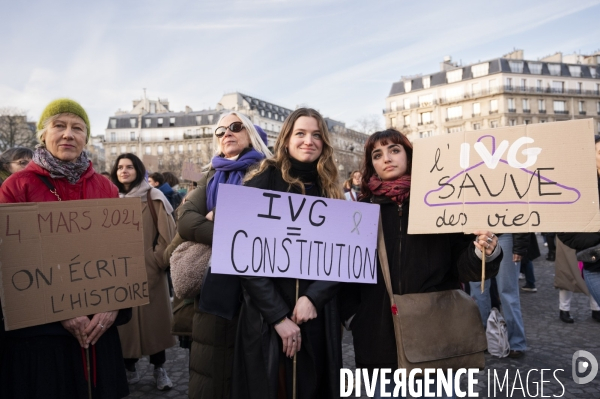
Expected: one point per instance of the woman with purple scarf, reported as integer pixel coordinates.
(239, 146)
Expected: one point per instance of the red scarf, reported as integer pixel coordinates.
(397, 190)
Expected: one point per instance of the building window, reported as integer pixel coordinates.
(493, 124)
(262, 112)
(512, 122)
(180, 148)
(132, 121)
(511, 105)
(393, 122)
(133, 149)
(593, 72)
(198, 119)
(159, 122)
(455, 93)
(509, 83)
(152, 108)
(527, 121)
(541, 106)
(210, 119)
(558, 87)
(425, 118)
(132, 136)
(454, 112)
(160, 163)
(113, 136)
(393, 106)
(535, 68)
(526, 105)
(560, 107)
(523, 84)
(199, 147)
(493, 106)
(475, 88)
(172, 149)
(454, 76)
(113, 123)
(476, 126)
(407, 118)
(270, 114)
(582, 108)
(171, 122)
(113, 150)
(598, 107)
(476, 109)
(516, 66)
(539, 87)
(407, 103)
(480, 69)
(148, 150)
(148, 122)
(554, 69)
(426, 82)
(190, 148)
(428, 133)
(159, 150)
(123, 149)
(575, 71)
(408, 86)
(426, 101)
(455, 129)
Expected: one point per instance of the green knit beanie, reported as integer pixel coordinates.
(62, 106)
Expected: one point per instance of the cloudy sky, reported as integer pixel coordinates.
(340, 57)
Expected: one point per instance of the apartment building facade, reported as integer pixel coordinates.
(505, 91)
(151, 128)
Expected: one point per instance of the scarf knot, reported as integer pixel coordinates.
(229, 172)
(397, 190)
(72, 171)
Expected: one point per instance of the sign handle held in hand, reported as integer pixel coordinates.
(482, 271)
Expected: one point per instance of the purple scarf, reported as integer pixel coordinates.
(237, 169)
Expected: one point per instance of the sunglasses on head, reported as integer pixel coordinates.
(235, 127)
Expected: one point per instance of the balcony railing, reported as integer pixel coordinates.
(542, 111)
(582, 112)
(474, 115)
(561, 112)
(453, 118)
(526, 111)
(512, 110)
(493, 111)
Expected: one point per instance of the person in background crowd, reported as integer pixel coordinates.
(581, 241)
(508, 288)
(533, 252)
(149, 332)
(417, 263)
(14, 160)
(551, 244)
(174, 183)
(45, 361)
(568, 279)
(238, 147)
(354, 183)
(105, 174)
(157, 180)
(273, 328)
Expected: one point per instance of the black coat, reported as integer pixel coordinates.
(258, 348)
(418, 263)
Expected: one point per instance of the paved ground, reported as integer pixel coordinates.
(551, 346)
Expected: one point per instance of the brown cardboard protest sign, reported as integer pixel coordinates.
(151, 163)
(65, 259)
(191, 171)
(527, 178)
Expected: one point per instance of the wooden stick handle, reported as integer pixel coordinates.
(482, 271)
(294, 368)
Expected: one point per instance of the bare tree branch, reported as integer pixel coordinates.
(368, 124)
(15, 130)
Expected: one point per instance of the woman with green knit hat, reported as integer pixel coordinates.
(14, 160)
(46, 361)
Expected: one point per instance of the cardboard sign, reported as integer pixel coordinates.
(276, 234)
(65, 259)
(527, 178)
(191, 171)
(151, 163)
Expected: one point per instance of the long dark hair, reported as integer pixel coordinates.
(13, 154)
(383, 137)
(140, 172)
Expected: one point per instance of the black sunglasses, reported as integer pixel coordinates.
(235, 127)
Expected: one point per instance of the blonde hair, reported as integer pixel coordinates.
(48, 122)
(326, 168)
(255, 139)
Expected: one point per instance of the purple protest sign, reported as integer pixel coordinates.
(276, 234)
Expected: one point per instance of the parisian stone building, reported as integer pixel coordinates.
(504, 91)
(151, 128)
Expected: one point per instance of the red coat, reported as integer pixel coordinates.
(26, 186)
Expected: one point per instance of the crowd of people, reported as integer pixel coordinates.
(257, 337)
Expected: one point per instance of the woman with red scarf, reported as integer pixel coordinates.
(417, 263)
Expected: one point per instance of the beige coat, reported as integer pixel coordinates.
(567, 275)
(149, 330)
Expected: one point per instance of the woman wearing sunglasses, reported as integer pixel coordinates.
(273, 325)
(238, 147)
(14, 160)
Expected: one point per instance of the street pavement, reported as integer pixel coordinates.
(551, 345)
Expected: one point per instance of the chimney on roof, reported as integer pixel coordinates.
(447, 64)
(187, 109)
(557, 57)
(514, 55)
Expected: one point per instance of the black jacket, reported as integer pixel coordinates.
(418, 263)
(258, 348)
